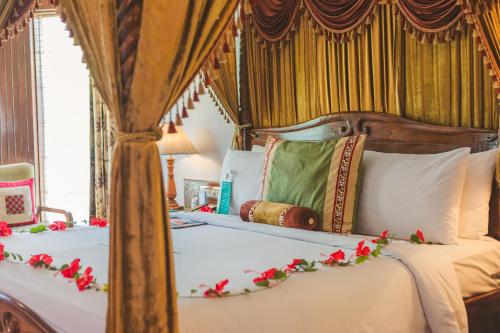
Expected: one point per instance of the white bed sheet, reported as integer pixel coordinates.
(366, 297)
(56, 301)
(475, 262)
(362, 298)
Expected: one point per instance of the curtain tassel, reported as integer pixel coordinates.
(207, 80)
(171, 127)
(234, 30)
(195, 96)
(184, 112)
(225, 47)
(221, 55)
(216, 63)
(178, 120)
(190, 104)
(201, 89)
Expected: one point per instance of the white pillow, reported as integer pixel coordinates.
(246, 168)
(474, 208)
(257, 148)
(406, 192)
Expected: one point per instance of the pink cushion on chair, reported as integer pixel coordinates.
(17, 202)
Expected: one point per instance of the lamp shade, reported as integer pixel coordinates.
(175, 143)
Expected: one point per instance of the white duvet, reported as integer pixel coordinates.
(409, 289)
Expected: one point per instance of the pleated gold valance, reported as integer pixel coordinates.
(15, 16)
(342, 20)
(384, 69)
(223, 87)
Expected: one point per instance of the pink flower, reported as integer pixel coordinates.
(57, 226)
(362, 250)
(98, 222)
(2, 256)
(420, 235)
(5, 230)
(39, 260)
(85, 280)
(69, 271)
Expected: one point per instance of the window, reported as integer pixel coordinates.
(64, 119)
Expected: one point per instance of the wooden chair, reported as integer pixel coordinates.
(21, 171)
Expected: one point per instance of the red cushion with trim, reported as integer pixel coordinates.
(17, 202)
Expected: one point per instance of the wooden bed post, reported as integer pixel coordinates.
(244, 114)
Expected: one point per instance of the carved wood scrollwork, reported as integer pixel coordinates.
(392, 134)
(10, 324)
(15, 317)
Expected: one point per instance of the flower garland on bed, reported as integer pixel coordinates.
(273, 276)
(72, 271)
(266, 279)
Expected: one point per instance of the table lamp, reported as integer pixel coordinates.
(174, 144)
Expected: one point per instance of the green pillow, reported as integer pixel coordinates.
(320, 175)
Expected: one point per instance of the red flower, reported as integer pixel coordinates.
(219, 286)
(269, 274)
(98, 222)
(259, 279)
(2, 247)
(5, 230)
(69, 271)
(362, 250)
(293, 266)
(39, 260)
(218, 290)
(420, 235)
(83, 281)
(338, 255)
(266, 275)
(383, 237)
(334, 258)
(207, 209)
(58, 226)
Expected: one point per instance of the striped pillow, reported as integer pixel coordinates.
(320, 175)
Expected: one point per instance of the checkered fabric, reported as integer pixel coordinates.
(14, 204)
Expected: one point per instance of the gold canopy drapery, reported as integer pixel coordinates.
(138, 79)
(224, 89)
(383, 69)
(446, 83)
(102, 139)
(488, 28)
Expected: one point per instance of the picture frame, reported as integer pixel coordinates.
(198, 192)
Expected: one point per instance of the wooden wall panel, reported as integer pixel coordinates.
(16, 100)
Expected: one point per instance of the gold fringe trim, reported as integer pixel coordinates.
(11, 30)
(210, 70)
(469, 9)
(495, 74)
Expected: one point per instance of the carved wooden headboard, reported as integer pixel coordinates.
(391, 134)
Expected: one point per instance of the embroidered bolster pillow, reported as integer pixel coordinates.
(321, 175)
(278, 214)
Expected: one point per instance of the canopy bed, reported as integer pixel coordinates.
(385, 133)
(277, 91)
